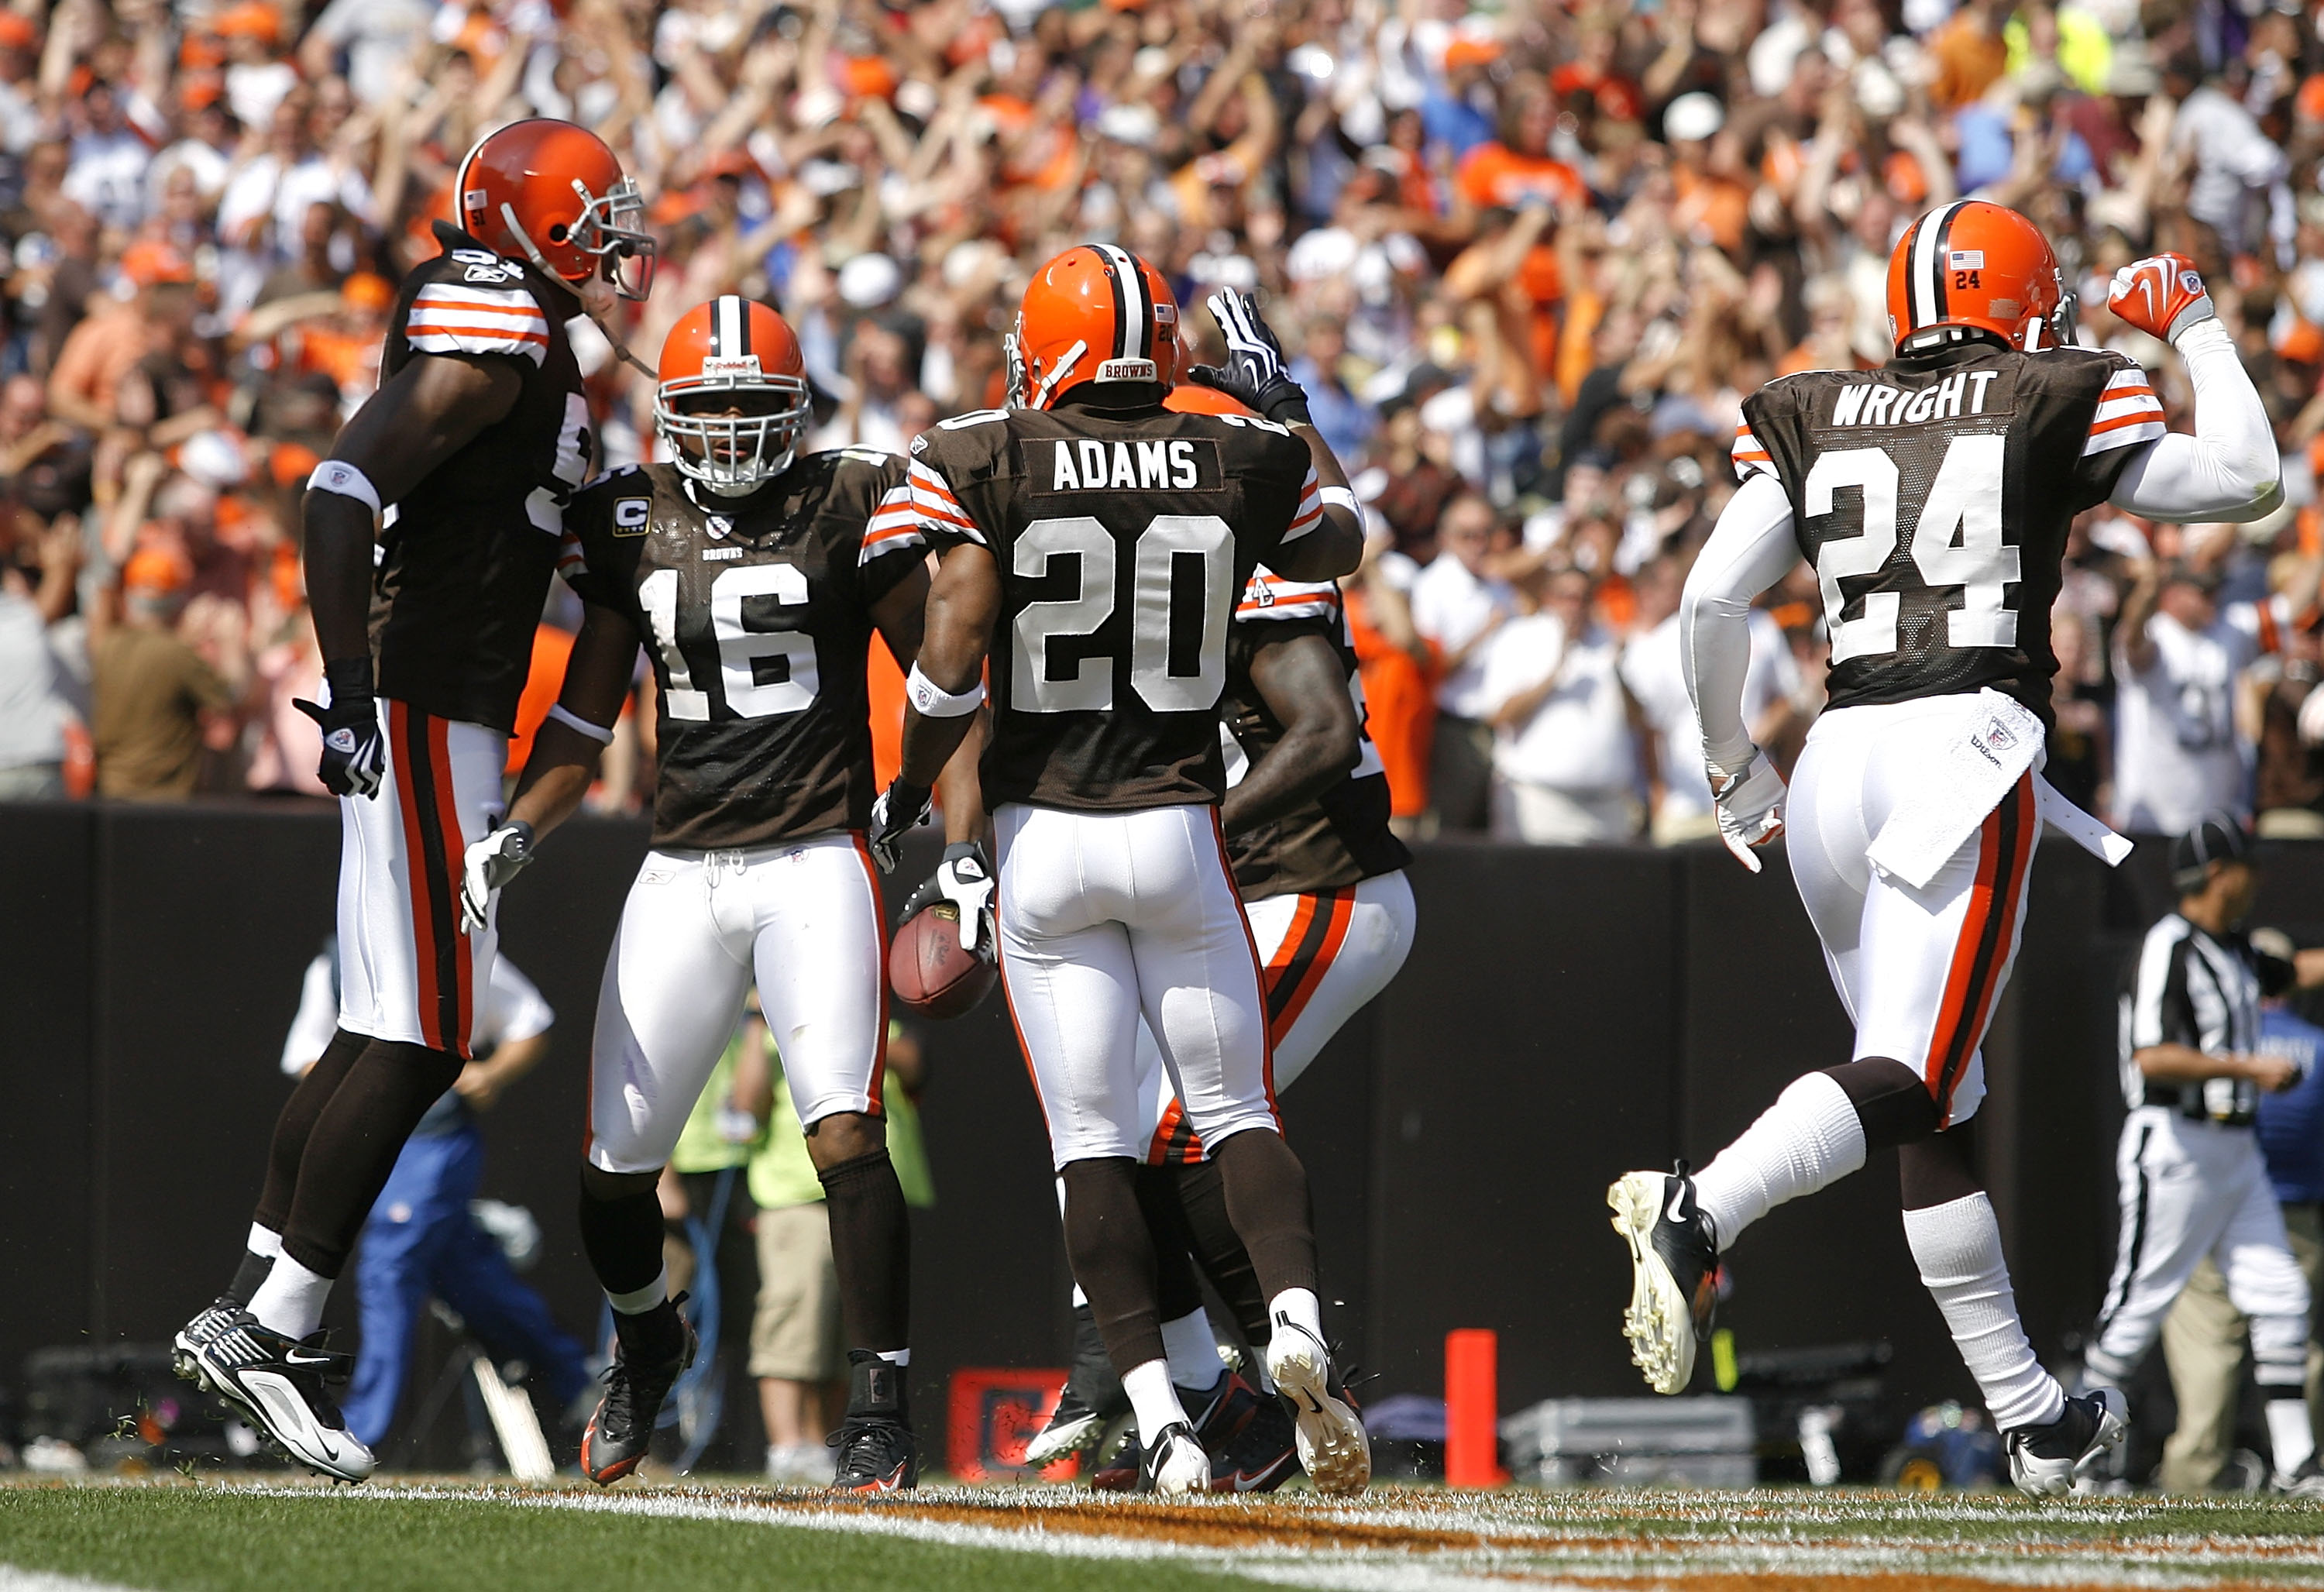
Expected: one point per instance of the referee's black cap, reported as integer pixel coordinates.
(2218, 837)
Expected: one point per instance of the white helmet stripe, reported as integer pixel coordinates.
(727, 328)
(1136, 314)
(1926, 265)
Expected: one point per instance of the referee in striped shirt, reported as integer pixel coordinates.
(2192, 1180)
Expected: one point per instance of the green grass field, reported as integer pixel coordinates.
(166, 1535)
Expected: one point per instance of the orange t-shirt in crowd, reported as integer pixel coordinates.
(1399, 711)
(1969, 60)
(1494, 175)
(551, 649)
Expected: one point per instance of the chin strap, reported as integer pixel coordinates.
(620, 349)
(1040, 394)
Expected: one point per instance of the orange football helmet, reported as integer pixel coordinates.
(1975, 265)
(1094, 313)
(732, 397)
(1194, 399)
(554, 194)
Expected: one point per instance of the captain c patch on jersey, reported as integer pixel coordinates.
(1087, 464)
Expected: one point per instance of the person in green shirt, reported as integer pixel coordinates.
(796, 1349)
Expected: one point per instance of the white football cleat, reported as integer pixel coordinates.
(276, 1383)
(1176, 1464)
(2082, 1445)
(1674, 1273)
(1334, 1448)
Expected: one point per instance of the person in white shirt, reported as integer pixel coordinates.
(108, 174)
(1457, 605)
(1657, 677)
(2179, 752)
(1567, 747)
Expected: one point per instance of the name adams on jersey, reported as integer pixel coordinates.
(757, 615)
(1341, 838)
(1933, 497)
(465, 557)
(1124, 536)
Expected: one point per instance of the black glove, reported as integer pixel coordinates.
(1254, 372)
(355, 753)
(964, 877)
(900, 809)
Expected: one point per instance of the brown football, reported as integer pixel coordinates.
(929, 971)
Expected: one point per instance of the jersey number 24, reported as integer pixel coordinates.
(1956, 541)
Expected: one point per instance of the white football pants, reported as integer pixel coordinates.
(1322, 958)
(410, 971)
(2190, 1189)
(804, 920)
(1919, 970)
(1108, 917)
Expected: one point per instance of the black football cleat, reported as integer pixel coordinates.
(213, 1319)
(1252, 1442)
(618, 1434)
(876, 1450)
(2047, 1461)
(279, 1385)
(1674, 1273)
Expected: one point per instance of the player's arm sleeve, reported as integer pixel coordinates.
(2228, 471)
(1270, 600)
(921, 511)
(455, 317)
(584, 554)
(1749, 455)
(2160, 1012)
(1750, 549)
(893, 543)
(513, 1008)
(317, 1018)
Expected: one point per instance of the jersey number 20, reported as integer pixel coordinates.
(1162, 632)
(1955, 542)
(740, 651)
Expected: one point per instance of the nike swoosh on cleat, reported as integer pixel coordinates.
(1677, 1200)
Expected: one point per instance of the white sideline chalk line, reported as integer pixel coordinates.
(1529, 1556)
(16, 1579)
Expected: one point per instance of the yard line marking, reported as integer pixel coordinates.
(16, 1579)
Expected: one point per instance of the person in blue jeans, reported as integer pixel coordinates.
(421, 1241)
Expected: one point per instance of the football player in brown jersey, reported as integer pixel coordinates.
(1321, 880)
(755, 577)
(1093, 545)
(1932, 498)
(430, 533)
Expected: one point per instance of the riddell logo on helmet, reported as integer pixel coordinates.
(739, 365)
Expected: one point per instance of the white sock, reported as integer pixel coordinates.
(895, 1356)
(290, 1300)
(1193, 1351)
(1152, 1399)
(644, 1299)
(263, 1242)
(1957, 1247)
(2289, 1433)
(1296, 1307)
(1810, 1137)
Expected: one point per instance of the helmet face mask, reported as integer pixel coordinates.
(625, 253)
(734, 396)
(733, 433)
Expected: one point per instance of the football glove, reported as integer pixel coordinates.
(1254, 372)
(490, 864)
(2162, 295)
(1749, 807)
(964, 878)
(899, 809)
(355, 753)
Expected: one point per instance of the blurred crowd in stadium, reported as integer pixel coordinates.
(1531, 258)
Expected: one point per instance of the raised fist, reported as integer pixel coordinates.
(2162, 295)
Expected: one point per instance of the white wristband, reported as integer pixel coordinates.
(934, 702)
(343, 478)
(1341, 497)
(603, 734)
